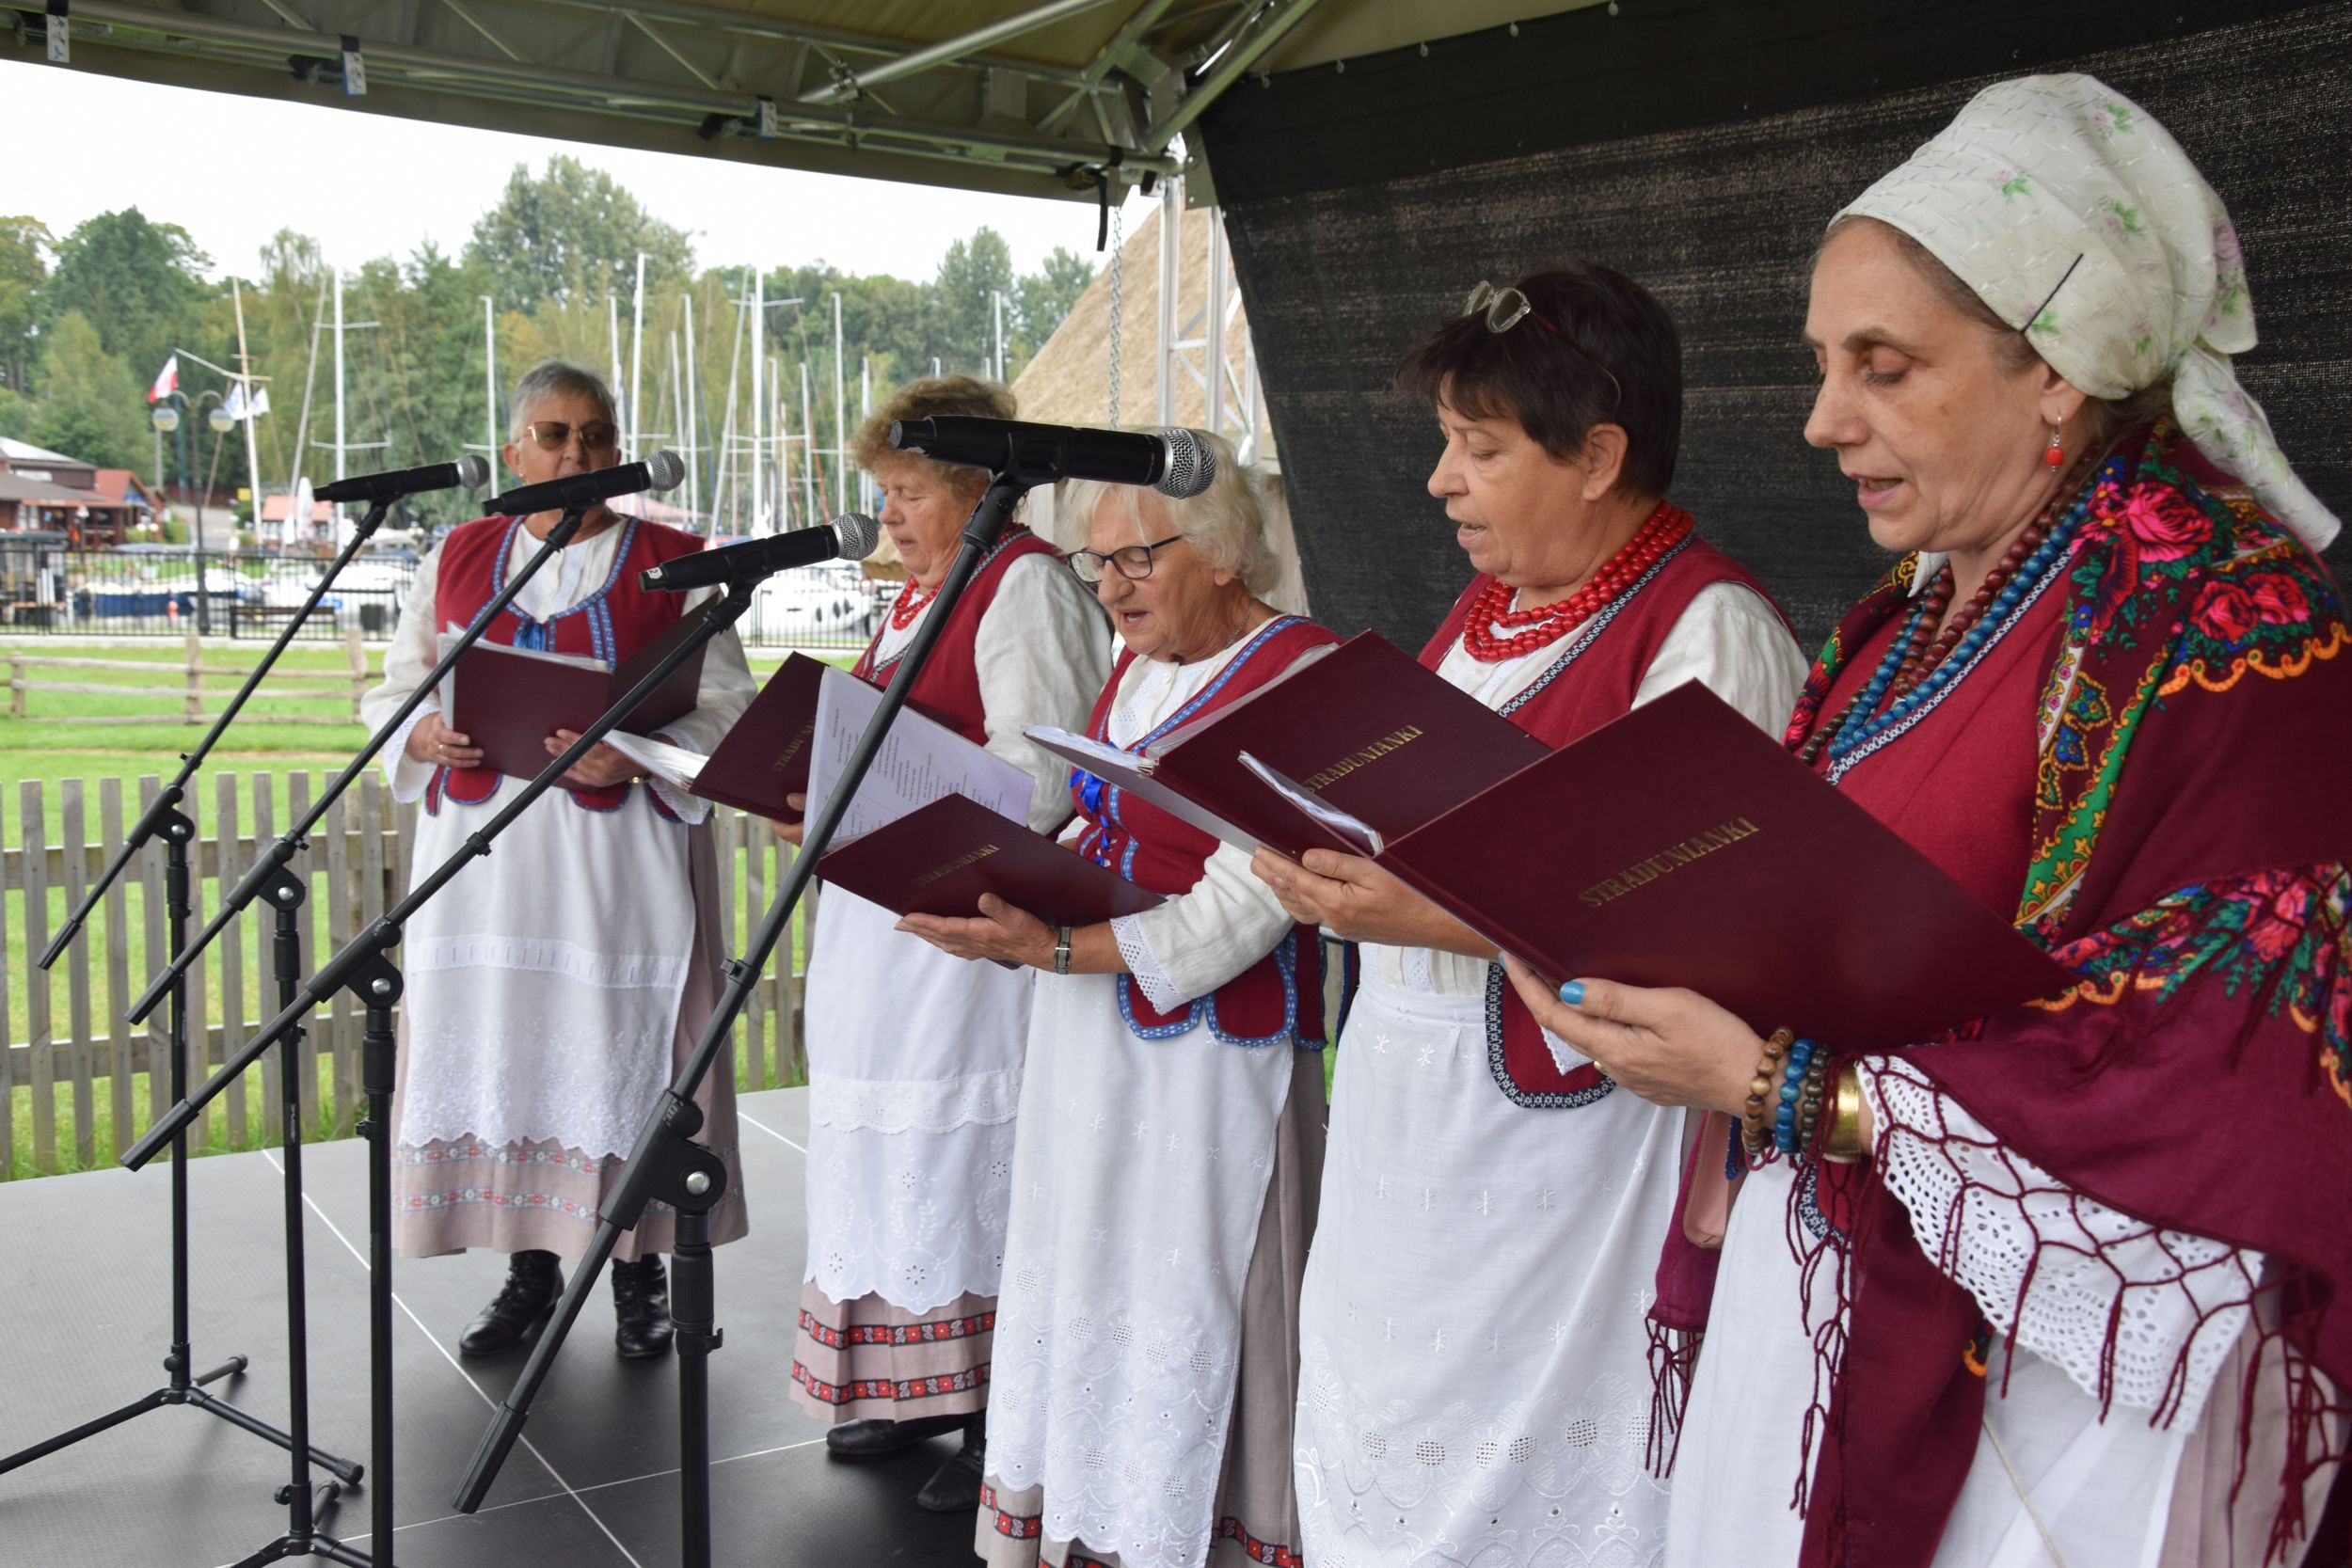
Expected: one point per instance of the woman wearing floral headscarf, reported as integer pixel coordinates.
(2056, 1287)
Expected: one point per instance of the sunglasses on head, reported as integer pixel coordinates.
(596, 435)
(1504, 309)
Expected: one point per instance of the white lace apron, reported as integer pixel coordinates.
(544, 980)
(914, 1075)
(1138, 1188)
(1472, 1384)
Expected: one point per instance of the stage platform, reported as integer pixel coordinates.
(592, 1484)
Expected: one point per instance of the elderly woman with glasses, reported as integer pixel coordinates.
(1172, 1116)
(553, 987)
(914, 1059)
(2067, 1284)
(1475, 1359)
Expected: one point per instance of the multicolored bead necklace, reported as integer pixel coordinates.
(1921, 662)
(1546, 624)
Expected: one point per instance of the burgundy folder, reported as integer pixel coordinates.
(1365, 725)
(508, 700)
(940, 857)
(1681, 846)
(765, 757)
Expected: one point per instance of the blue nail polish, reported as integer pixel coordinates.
(1573, 994)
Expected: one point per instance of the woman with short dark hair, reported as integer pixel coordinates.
(1474, 1357)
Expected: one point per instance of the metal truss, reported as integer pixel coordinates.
(776, 88)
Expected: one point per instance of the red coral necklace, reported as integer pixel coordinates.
(908, 604)
(1546, 624)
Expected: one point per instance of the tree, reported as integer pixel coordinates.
(24, 247)
(968, 276)
(573, 233)
(93, 405)
(139, 284)
(1048, 295)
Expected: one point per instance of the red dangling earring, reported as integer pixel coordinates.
(2055, 454)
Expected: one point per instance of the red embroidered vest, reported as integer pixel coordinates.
(1280, 996)
(1590, 681)
(609, 623)
(948, 690)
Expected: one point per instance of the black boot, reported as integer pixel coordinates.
(532, 1283)
(881, 1439)
(641, 1308)
(955, 1486)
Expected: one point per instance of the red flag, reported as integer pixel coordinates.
(166, 381)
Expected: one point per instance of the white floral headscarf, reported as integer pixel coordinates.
(2038, 172)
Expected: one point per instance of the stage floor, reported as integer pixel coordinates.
(592, 1484)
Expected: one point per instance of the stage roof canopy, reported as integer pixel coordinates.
(1029, 96)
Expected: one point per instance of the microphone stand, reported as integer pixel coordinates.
(362, 969)
(165, 821)
(667, 1165)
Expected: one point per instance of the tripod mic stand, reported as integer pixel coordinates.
(668, 1165)
(165, 821)
(361, 968)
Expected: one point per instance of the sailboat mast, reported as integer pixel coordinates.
(636, 357)
(759, 403)
(693, 416)
(490, 380)
(840, 415)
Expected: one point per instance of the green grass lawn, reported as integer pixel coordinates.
(57, 741)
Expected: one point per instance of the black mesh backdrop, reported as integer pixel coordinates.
(1701, 148)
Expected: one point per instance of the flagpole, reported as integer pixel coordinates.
(252, 414)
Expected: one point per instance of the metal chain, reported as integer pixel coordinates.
(1119, 292)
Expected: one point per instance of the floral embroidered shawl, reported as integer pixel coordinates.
(2193, 821)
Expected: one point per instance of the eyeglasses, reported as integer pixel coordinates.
(1505, 308)
(597, 435)
(1133, 562)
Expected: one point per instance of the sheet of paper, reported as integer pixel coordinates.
(1133, 774)
(920, 760)
(1353, 828)
(674, 763)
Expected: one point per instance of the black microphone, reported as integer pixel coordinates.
(464, 474)
(851, 536)
(1175, 462)
(662, 472)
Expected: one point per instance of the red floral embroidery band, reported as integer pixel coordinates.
(888, 1388)
(937, 1331)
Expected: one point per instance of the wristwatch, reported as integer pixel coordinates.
(1061, 949)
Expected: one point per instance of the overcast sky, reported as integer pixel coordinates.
(225, 168)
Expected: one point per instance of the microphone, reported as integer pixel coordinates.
(464, 474)
(662, 472)
(851, 536)
(1175, 462)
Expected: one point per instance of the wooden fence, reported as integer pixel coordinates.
(68, 1044)
(190, 692)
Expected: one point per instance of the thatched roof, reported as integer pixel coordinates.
(1068, 381)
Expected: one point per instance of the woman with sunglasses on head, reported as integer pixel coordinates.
(554, 987)
(1475, 1379)
(1163, 1188)
(914, 1059)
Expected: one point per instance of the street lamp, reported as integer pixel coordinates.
(166, 418)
